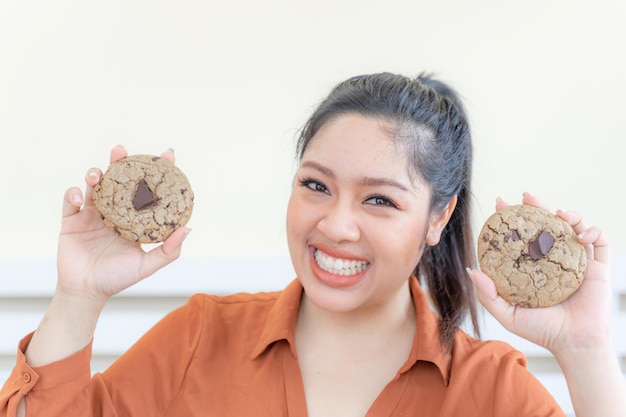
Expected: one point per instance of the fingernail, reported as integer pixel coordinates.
(525, 194)
(187, 231)
(581, 235)
(170, 150)
(77, 199)
(499, 199)
(93, 174)
(469, 270)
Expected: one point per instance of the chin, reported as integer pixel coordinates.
(333, 299)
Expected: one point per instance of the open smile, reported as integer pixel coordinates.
(337, 266)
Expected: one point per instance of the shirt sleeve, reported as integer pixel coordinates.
(518, 393)
(141, 382)
(47, 384)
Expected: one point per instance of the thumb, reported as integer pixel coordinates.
(164, 254)
(497, 306)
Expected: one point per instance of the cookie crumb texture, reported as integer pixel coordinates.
(532, 255)
(144, 198)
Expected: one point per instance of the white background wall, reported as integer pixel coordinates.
(228, 84)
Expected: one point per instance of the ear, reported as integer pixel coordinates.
(438, 222)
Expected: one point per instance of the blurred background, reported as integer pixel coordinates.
(227, 85)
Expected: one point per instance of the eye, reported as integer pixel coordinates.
(314, 185)
(379, 200)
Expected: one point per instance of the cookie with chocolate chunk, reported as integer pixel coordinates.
(532, 255)
(143, 198)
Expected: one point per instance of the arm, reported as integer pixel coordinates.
(595, 382)
(93, 265)
(577, 331)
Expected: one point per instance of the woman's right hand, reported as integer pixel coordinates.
(94, 263)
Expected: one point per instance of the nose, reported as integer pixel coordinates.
(340, 222)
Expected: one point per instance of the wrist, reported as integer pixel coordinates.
(77, 301)
(594, 379)
(66, 328)
(576, 358)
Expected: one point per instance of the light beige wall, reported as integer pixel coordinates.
(227, 84)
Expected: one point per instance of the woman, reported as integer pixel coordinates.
(380, 199)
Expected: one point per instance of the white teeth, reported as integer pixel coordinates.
(339, 266)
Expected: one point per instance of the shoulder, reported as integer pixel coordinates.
(237, 301)
(500, 371)
(233, 310)
(471, 351)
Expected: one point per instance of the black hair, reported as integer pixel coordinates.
(428, 117)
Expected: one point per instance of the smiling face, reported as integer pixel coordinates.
(358, 217)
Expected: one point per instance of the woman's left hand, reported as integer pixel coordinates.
(580, 322)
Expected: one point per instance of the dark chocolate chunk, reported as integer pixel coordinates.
(513, 237)
(539, 247)
(144, 198)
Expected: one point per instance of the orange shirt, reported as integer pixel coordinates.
(235, 356)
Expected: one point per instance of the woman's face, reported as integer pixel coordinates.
(358, 218)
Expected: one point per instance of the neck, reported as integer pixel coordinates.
(386, 320)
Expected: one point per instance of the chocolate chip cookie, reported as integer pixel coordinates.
(532, 255)
(144, 198)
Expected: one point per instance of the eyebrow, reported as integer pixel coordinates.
(366, 181)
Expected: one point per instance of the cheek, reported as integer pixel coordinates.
(290, 218)
(407, 242)
(298, 217)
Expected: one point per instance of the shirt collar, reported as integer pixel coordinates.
(281, 322)
(426, 344)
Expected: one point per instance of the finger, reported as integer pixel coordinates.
(72, 201)
(92, 177)
(589, 236)
(497, 306)
(578, 226)
(527, 198)
(171, 247)
(599, 242)
(169, 155)
(574, 219)
(500, 203)
(531, 200)
(118, 153)
(164, 254)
